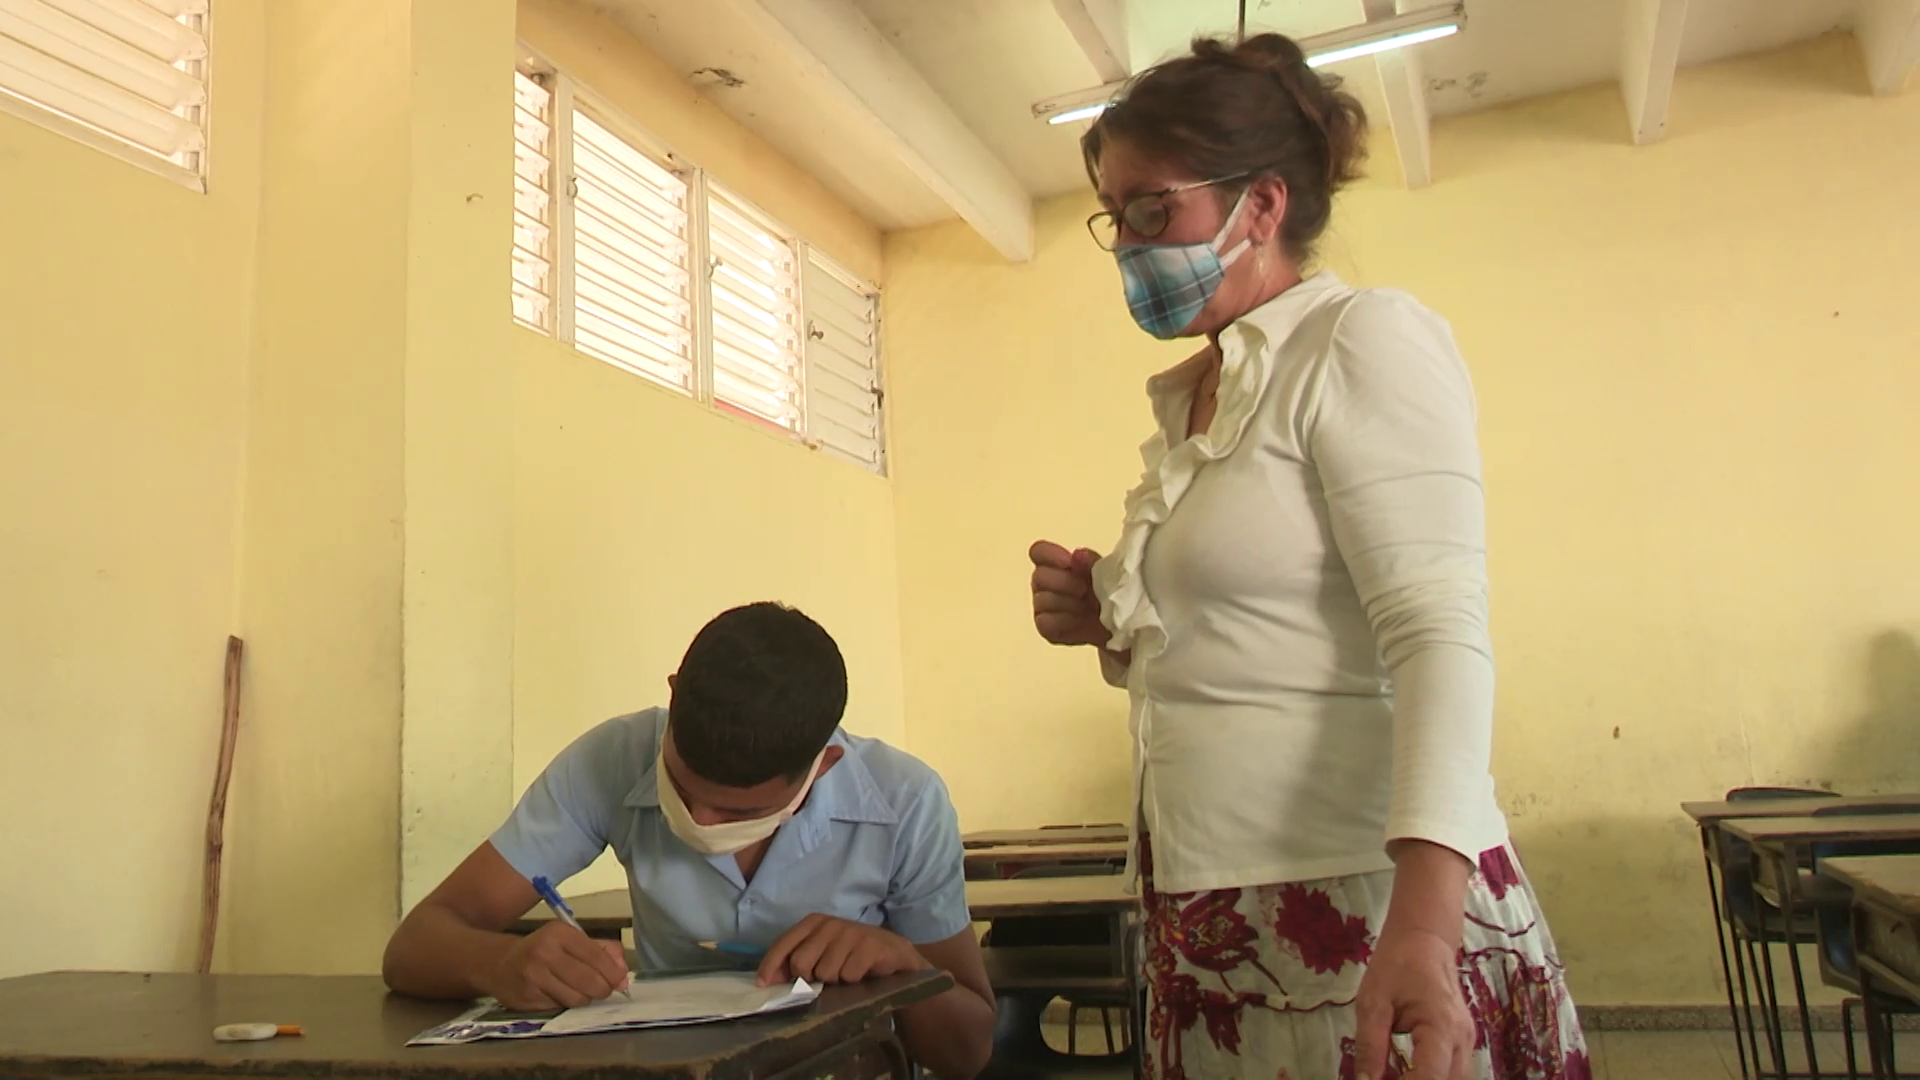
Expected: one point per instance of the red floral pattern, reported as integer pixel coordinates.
(1498, 872)
(1325, 940)
(1217, 1010)
(1210, 934)
(1222, 1014)
(1518, 1022)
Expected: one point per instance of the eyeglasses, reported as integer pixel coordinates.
(1146, 216)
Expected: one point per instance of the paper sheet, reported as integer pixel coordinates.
(665, 1002)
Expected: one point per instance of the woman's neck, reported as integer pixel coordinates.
(1277, 274)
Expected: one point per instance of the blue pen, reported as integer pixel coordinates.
(551, 897)
(734, 948)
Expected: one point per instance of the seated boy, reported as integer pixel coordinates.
(742, 813)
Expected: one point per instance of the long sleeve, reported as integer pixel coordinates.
(1391, 434)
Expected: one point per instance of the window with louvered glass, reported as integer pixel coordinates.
(532, 202)
(755, 288)
(637, 258)
(126, 76)
(843, 365)
(632, 291)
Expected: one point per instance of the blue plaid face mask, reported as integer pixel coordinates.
(1168, 284)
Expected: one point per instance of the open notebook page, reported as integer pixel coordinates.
(662, 1002)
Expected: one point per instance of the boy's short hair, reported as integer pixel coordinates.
(761, 690)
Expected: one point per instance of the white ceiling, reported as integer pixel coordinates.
(987, 61)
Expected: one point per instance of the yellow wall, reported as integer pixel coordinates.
(1698, 370)
(641, 514)
(315, 809)
(456, 748)
(125, 322)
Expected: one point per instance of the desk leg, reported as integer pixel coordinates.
(1876, 1053)
(1720, 931)
(1769, 989)
(1786, 870)
(1124, 926)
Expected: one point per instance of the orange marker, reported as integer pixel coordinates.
(253, 1032)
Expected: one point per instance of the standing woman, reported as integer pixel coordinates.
(1298, 609)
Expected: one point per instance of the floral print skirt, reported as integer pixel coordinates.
(1259, 982)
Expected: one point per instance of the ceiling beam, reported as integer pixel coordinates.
(1889, 33)
(1648, 64)
(1403, 87)
(835, 45)
(1404, 90)
(1651, 56)
(1100, 27)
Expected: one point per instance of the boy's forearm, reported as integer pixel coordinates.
(435, 954)
(950, 1035)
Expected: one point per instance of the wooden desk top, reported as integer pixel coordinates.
(1070, 851)
(1834, 827)
(988, 900)
(1084, 895)
(71, 1024)
(1720, 810)
(1893, 880)
(1056, 834)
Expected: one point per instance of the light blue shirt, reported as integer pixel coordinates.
(876, 841)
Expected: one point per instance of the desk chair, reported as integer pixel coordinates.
(1740, 911)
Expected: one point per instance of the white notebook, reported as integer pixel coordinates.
(665, 1002)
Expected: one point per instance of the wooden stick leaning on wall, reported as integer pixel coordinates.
(217, 808)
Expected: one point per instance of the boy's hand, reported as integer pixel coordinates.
(823, 949)
(557, 966)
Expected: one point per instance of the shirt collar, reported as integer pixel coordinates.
(847, 792)
(1269, 324)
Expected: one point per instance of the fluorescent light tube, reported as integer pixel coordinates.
(1397, 32)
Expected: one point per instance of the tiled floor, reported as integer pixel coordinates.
(1656, 1055)
(1710, 1055)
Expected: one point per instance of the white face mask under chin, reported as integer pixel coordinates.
(727, 837)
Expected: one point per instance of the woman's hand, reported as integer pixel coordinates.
(1412, 986)
(1065, 610)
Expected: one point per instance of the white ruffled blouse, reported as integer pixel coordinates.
(1303, 589)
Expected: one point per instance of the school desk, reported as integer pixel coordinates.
(1004, 861)
(1710, 816)
(1048, 834)
(159, 1027)
(1094, 976)
(1781, 846)
(1062, 968)
(1885, 927)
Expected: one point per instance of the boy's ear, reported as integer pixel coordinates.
(829, 758)
(670, 681)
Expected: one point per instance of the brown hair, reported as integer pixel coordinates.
(1254, 108)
